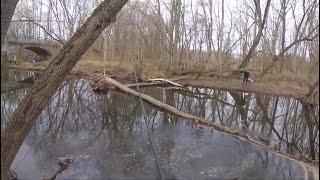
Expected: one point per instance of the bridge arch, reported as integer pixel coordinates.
(42, 52)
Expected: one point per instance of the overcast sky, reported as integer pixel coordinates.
(232, 11)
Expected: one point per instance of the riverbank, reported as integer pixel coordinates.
(292, 89)
(309, 166)
(295, 89)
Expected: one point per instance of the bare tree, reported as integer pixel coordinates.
(46, 85)
(301, 35)
(261, 22)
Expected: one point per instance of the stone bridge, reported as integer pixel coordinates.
(26, 40)
(42, 47)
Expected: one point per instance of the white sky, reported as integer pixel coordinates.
(232, 12)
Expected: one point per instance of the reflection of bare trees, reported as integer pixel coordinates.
(281, 122)
(313, 127)
(9, 101)
(291, 147)
(278, 121)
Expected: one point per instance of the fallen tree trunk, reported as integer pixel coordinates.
(141, 85)
(144, 84)
(162, 105)
(164, 84)
(167, 81)
(198, 120)
(45, 86)
(191, 118)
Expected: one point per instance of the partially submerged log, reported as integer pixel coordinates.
(167, 81)
(144, 84)
(201, 121)
(173, 87)
(98, 87)
(159, 104)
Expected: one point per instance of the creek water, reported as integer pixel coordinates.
(106, 135)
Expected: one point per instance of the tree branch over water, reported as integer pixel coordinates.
(46, 85)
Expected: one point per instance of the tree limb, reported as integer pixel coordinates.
(276, 58)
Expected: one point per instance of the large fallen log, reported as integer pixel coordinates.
(164, 106)
(159, 82)
(161, 105)
(308, 166)
(144, 84)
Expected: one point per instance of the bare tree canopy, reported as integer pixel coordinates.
(272, 43)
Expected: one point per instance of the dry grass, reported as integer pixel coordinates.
(286, 76)
(214, 76)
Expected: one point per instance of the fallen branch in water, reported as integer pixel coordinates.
(144, 84)
(107, 81)
(163, 106)
(167, 81)
(104, 80)
(64, 164)
(97, 85)
(173, 87)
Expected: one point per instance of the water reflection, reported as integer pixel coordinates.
(279, 121)
(14, 80)
(105, 136)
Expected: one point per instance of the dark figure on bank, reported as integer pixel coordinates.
(246, 77)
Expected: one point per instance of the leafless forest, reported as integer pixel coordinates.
(265, 37)
(277, 41)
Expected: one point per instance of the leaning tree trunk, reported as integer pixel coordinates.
(256, 40)
(7, 10)
(46, 85)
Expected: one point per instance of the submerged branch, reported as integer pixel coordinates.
(191, 118)
(64, 164)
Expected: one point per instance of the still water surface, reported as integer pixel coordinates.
(106, 136)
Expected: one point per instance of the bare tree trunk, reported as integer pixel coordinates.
(7, 10)
(307, 110)
(46, 85)
(283, 39)
(177, 19)
(220, 49)
(256, 40)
